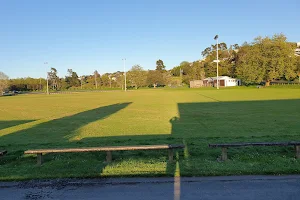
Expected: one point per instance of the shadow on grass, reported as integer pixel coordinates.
(61, 129)
(7, 124)
(197, 125)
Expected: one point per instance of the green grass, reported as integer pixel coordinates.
(195, 117)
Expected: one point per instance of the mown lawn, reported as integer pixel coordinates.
(195, 117)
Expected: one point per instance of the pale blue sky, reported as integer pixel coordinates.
(97, 34)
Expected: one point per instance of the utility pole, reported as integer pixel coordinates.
(216, 38)
(124, 60)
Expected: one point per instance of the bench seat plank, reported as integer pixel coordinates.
(255, 144)
(109, 148)
(227, 145)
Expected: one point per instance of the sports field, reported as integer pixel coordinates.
(195, 117)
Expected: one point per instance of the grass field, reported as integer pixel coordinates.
(195, 117)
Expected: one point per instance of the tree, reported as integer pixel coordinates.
(137, 76)
(72, 79)
(206, 51)
(160, 65)
(155, 78)
(176, 71)
(96, 76)
(106, 80)
(266, 59)
(3, 82)
(298, 66)
(197, 71)
(54, 79)
(236, 46)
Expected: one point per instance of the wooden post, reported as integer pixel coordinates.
(39, 158)
(297, 147)
(171, 155)
(108, 156)
(224, 154)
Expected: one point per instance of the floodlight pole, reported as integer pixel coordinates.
(46, 63)
(124, 60)
(217, 63)
(47, 84)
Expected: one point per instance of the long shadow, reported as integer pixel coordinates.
(204, 122)
(61, 129)
(10, 123)
(197, 124)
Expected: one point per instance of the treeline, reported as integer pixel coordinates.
(136, 77)
(264, 60)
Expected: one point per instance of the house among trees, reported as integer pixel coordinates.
(224, 81)
(297, 51)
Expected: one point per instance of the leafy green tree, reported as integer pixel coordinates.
(196, 72)
(105, 80)
(160, 65)
(137, 76)
(176, 71)
(54, 79)
(72, 79)
(155, 78)
(266, 59)
(3, 82)
(206, 52)
(298, 66)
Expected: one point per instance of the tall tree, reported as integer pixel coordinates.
(54, 79)
(72, 79)
(160, 65)
(96, 77)
(137, 76)
(155, 78)
(3, 82)
(206, 51)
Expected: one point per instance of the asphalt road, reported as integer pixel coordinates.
(235, 187)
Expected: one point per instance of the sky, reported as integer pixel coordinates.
(91, 35)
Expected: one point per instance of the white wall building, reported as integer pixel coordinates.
(297, 51)
(224, 81)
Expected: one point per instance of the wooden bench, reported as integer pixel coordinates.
(226, 146)
(108, 150)
(2, 153)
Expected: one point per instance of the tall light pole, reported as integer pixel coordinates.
(46, 63)
(124, 60)
(216, 38)
(95, 74)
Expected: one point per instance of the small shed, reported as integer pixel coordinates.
(196, 84)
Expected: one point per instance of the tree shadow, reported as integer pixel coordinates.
(7, 124)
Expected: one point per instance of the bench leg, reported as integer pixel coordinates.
(108, 156)
(297, 151)
(224, 154)
(39, 158)
(171, 155)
